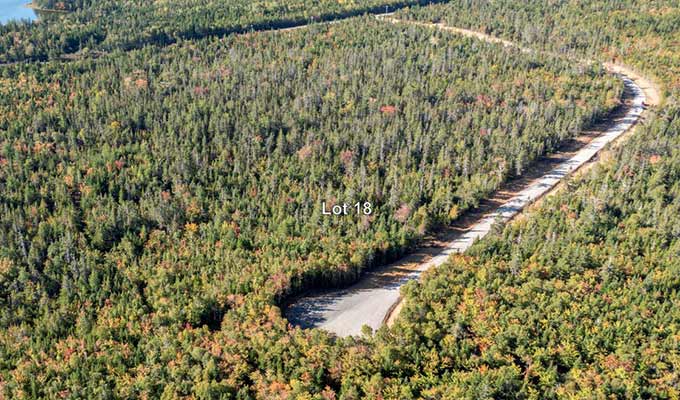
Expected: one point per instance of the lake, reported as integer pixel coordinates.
(15, 9)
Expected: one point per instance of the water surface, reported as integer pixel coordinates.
(15, 10)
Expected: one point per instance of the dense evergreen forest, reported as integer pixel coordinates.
(643, 33)
(158, 203)
(92, 27)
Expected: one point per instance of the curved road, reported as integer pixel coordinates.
(371, 300)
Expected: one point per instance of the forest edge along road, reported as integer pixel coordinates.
(375, 297)
(370, 301)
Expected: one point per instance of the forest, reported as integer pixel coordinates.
(92, 28)
(158, 205)
(641, 33)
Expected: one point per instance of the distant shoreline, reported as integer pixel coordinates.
(37, 9)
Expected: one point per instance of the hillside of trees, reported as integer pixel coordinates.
(160, 193)
(158, 204)
(93, 27)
